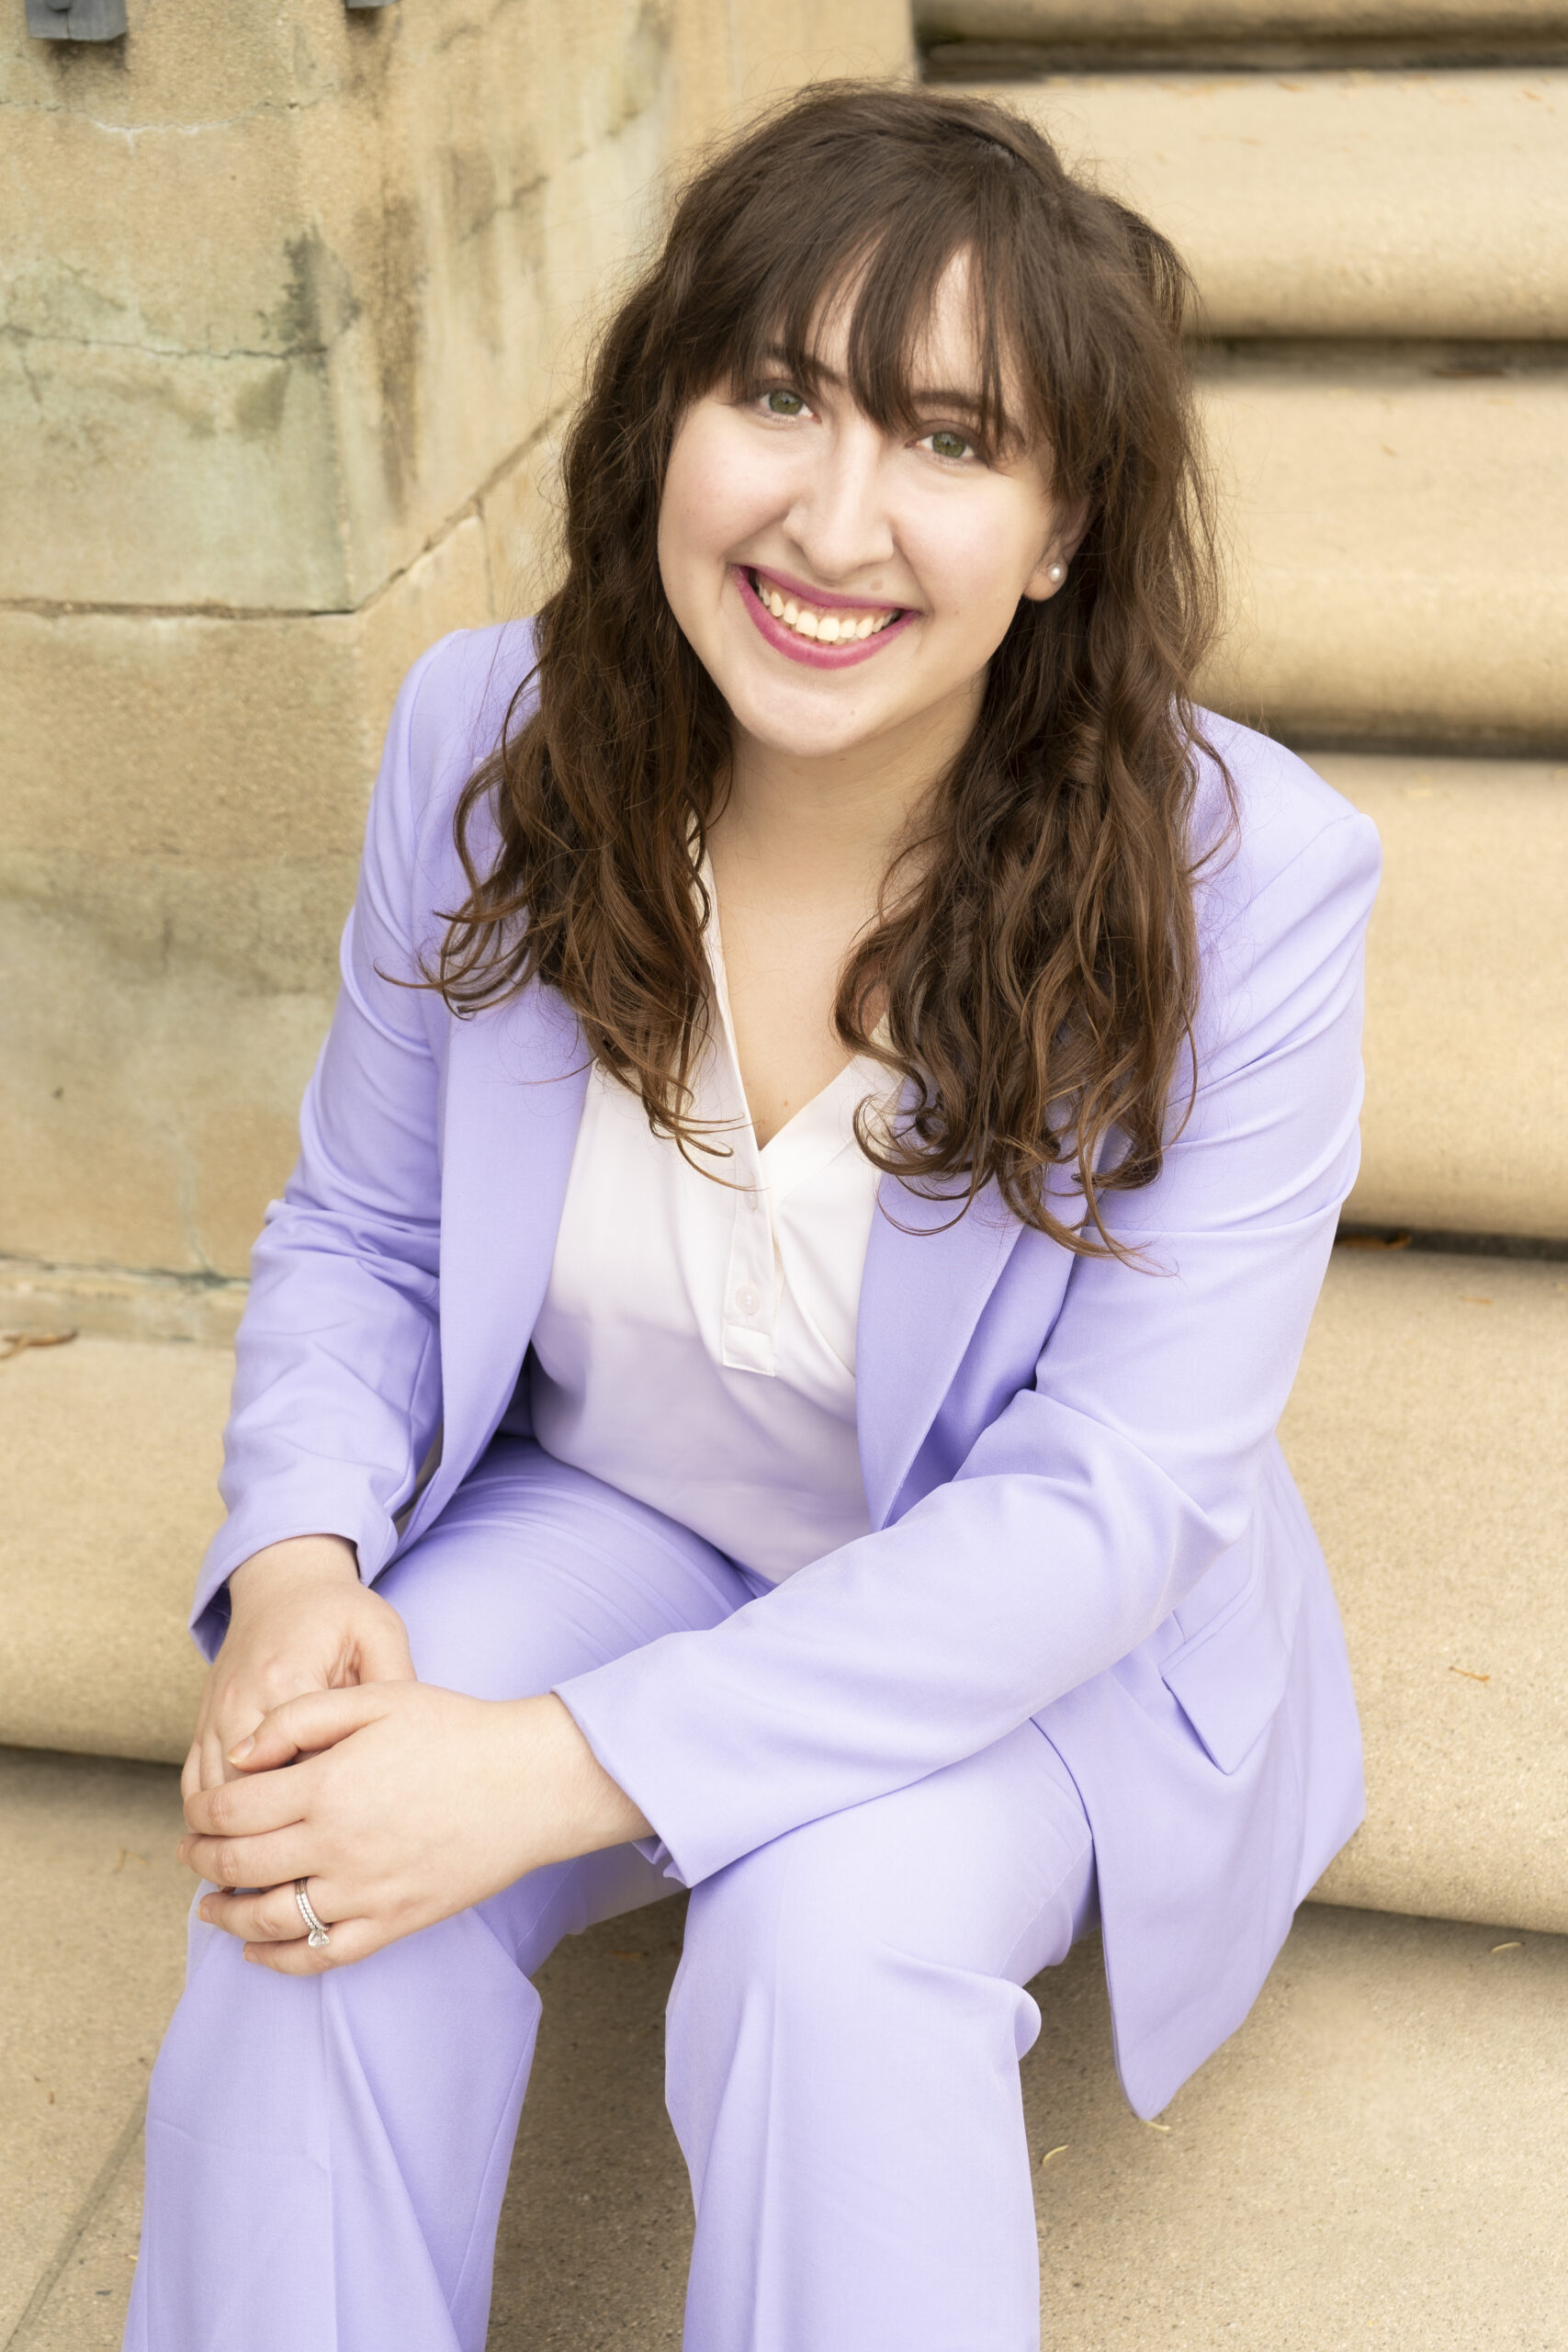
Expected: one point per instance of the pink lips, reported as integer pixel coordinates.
(801, 649)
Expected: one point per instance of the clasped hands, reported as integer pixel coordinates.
(318, 1756)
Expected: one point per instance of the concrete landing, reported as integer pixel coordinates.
(1374, 2160)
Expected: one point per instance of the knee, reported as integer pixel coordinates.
(818, 1923)
(954, 1892)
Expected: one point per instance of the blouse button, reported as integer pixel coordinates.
(747, 1300)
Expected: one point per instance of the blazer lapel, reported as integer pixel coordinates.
(515, 1081)
(928, 1274)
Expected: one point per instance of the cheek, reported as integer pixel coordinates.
(976, 564)
(715, 495)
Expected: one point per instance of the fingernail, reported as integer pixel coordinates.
(237, 1755)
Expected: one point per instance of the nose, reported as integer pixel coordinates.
(839, 517)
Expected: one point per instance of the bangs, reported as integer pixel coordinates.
(763, 294)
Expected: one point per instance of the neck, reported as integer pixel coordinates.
(848, 812)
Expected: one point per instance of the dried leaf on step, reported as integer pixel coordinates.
(13, 1342)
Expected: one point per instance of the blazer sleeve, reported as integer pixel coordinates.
(1092, 1505)
(337, 1393)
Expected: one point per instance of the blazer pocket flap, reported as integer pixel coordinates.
(1230, 1678)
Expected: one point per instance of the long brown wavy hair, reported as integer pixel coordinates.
(1038, 981)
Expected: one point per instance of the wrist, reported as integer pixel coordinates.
(299, 1562)
(597, 1809)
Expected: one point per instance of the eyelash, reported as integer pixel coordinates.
(971, 446)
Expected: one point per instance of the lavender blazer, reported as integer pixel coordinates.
(1080, 1512)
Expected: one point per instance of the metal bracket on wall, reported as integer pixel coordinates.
(76, 19)
(367, 4)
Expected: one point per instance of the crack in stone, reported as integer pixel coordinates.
(13, 332)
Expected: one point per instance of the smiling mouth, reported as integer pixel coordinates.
(821, 623)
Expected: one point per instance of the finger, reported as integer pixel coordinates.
(248, 1861)
(350, 1940)
(268, 1914)
(317, 1719)
(248, 1806)
(213, 1774)
(190, 1771)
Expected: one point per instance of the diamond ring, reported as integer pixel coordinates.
(318, 1934)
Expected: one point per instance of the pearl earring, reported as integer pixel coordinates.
(1057, 572)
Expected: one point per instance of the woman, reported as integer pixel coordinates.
(807, 1216)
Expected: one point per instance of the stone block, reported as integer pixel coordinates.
(261, 357)
(1348, 204)
(1398, 529)
(185, 800)
(112, 1451)
(522, 510)
(265, 358)
(1465, 1124)
(94, 1959)
(1425, 1432)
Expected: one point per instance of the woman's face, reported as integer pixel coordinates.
(842, 585)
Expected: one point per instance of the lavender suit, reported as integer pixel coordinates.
(1087, 1654)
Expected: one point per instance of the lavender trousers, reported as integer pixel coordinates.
(326, 2157)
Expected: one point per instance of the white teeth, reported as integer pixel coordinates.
(828, 628)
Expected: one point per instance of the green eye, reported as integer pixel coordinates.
(784, 403)
(946, 444)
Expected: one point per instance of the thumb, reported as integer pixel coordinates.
(304, 1725)
(383, 1645)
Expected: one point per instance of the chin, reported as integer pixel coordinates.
(807, 734)
(815, 722)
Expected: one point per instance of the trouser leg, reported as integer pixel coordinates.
(844, 2039)
(327, 2156)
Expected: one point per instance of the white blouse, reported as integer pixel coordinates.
(696, 1345)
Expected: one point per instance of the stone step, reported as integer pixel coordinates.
(1425, 1430)
(1467, 994)
(1374, 2159)
(1399, 530)
(1042, 21)
(1345, 204)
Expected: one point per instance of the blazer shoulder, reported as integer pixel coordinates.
(1281, 828)
(447, 719)
(453, 705)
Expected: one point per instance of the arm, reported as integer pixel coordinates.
(336, 1384)
(1092, 1505)
(337, 1381)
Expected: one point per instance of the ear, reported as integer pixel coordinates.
(1066, 531)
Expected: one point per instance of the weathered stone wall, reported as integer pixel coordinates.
(293, 298)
